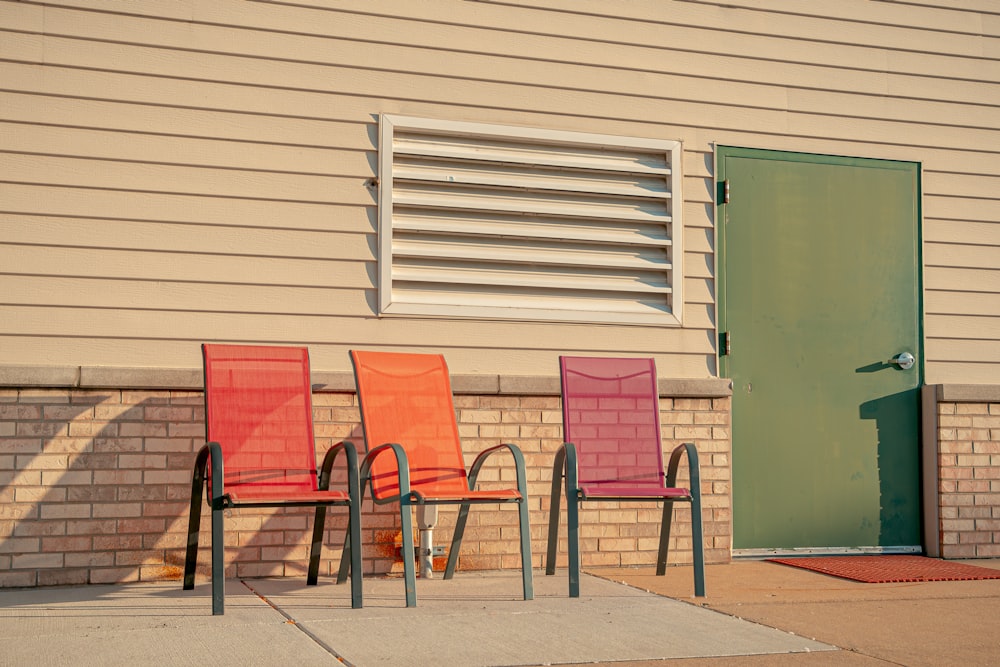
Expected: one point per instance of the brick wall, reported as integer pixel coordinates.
(95, 485)
(968, 479)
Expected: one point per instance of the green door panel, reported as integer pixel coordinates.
(819, 289)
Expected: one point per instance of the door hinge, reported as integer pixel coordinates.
(725, 191)
(725, 343)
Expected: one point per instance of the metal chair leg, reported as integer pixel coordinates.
(409, 554)
(316, 550)
(553, 541)
(194, 518)
(573, 539)
(527, 583)
(456, 540)
(218, 539)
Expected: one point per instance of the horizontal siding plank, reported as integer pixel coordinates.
(181, 208)
(962, 373)
(968, 327)
(175, 238)
(139, 147)
(698, 241)
(937, 302)
(183, 297)
(152, 117)
(205, 181)
(982, 114)
(698, 292)
(936, 16)
(962, 255)
(969, 351)
(977, 6)
(962, 231)
(977, 209)
(180, 267)
(961, 279)
(970, 185)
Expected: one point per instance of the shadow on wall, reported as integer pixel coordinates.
(95, 488)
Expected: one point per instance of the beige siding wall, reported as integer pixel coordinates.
(175, 172)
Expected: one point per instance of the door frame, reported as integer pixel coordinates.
(721, 194)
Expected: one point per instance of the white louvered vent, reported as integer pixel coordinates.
(516, 223)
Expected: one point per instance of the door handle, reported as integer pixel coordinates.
(903, 360)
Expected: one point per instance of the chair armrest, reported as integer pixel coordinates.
(402, 468)
(694, 469)
(566, 462)
(352, 465)
(219, 499)
(518, 464)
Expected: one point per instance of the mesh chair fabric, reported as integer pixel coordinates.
(611, 414)
(258, 404)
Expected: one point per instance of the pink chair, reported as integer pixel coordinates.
(613, 451)
(261, 453)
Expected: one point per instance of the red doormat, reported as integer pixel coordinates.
(886, 569)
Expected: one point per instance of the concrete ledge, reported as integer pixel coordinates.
(188, 379)
(706, 388)
(968, 393)
(333, 382)
(528, 385)
(105, 377)
(39, 376)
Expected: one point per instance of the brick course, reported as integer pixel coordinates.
(95, 487)
(968, 476)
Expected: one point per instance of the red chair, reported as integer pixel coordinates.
(613, 451)
(261, 453)
(415, 455)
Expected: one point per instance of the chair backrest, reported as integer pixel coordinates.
(406, 399)
(258, 407)
(611, 414)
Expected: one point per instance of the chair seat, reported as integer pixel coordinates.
(652, 492)
(281, 497)
(499, 495)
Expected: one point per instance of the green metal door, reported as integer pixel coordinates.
(819, 294)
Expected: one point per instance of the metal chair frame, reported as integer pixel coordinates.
(566, 466)
(410, 495)
(210, 466)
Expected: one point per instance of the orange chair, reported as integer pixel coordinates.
(261, 453)
(415, 455)
(613, 451)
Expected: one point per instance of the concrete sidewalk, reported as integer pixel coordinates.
(932, 624)
(756, 613)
